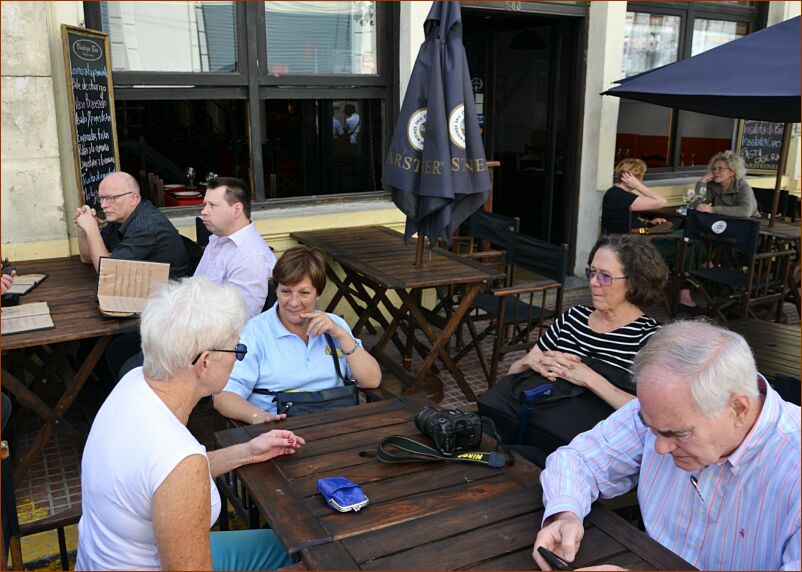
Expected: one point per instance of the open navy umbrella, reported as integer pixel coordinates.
(436, 163)
(754, 77)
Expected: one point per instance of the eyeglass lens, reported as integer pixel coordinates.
(603, 278)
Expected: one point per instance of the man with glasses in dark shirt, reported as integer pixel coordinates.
(136, 230)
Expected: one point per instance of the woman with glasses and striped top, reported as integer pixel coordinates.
(625, 274)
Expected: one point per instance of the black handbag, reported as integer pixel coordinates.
(296, 403)
(553, 420)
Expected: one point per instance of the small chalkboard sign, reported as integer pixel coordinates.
(90, 90)
(759, 143)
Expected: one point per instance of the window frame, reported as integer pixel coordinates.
(753, 15)
(252, 83)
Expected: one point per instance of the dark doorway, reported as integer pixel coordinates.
(525, 79)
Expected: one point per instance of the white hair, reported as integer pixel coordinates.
(186, 318)
(733, 161)
(715, 362)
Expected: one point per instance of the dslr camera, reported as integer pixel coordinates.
(452, 430)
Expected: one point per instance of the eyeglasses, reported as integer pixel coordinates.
(603, 278)
(111, 199)
(240, 350)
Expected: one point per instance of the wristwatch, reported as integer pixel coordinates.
(357, 345)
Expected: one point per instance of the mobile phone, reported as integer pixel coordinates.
(554, 561)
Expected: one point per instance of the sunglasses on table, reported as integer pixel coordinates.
(240, 350)
(603, 278)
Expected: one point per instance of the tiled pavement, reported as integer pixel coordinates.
(54, 481)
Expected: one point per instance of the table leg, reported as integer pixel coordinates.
(438, 342)
(61, 407)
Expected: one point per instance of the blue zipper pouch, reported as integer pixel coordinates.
(341, 494)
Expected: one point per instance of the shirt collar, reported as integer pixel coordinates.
(236, 237)
(761, 430)
(239, 237)
(134, 214)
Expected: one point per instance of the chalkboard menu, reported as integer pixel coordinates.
(759, 143)
(91, 96)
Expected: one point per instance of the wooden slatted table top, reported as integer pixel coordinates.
(381, 254)
(70, 291)
(776, 346)
(443, 515)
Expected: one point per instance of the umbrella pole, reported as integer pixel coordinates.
(775, 199)
(419, 250)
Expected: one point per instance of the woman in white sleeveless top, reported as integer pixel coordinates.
(148, 495)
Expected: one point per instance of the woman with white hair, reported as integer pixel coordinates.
(728, 193)
(148, 495)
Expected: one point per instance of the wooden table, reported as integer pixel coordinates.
(71, 293)
(776, 346)
(443, 515)
(376, 259)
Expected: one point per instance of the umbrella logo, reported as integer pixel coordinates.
(416, 129)
(719, 226)
(456, 126)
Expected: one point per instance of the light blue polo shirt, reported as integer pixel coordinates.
(279, 360)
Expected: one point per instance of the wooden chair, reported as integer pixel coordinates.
(733, 276)
(156, 187)
(516, 309)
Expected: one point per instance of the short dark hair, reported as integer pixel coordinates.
(236, 192)
(644, 267)
(349, 109)
(299, 262)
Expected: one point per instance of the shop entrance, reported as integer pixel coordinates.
(526, 85)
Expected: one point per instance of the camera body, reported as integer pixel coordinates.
(452, 430)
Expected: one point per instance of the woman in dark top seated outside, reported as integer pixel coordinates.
(625, 273)
(620, 200)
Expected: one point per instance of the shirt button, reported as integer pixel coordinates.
(691, 545)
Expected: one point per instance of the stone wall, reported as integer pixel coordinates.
(33, 208)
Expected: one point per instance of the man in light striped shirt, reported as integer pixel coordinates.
(712, 448)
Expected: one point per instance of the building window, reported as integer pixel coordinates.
(322, 146)
(171, 36)
(312, 38)
(660, 33)
(254, 90)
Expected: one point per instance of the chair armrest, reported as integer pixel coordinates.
(531, 287)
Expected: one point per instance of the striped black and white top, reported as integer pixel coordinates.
(570, 333)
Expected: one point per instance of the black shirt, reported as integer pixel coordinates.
(616, 216)
(147, 235)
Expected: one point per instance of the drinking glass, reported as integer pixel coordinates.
(701, 195)
(689, 196)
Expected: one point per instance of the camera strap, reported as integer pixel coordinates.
(408, 449)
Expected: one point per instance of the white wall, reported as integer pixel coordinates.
(410, 37)
(604, 54)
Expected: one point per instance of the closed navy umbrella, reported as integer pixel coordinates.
(436, 163)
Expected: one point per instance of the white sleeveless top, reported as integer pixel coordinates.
(134, 444)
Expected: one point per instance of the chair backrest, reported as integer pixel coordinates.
(734, 233)
(194, 253)
(492, 227)
(202, 233)
(543, 258)
(271, 297)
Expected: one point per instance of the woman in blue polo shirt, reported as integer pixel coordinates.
(287, 348)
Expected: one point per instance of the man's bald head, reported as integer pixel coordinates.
(118, 194)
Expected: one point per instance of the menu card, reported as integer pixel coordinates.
(24, 283)
(26, 318)
(123, 286)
